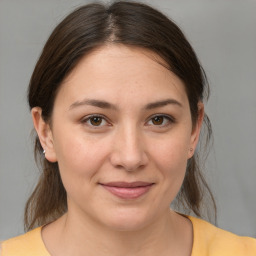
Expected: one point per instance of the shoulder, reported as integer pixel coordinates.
(213, 241)
(25, 245)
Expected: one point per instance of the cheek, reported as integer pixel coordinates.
(172, 153)
(79, 157)
(170, 157)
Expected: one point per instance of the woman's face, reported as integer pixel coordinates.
(121, 133)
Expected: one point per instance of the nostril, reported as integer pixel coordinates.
(127, 149)
(128, 162)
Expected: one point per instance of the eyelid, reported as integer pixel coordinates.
(87, 118)
(170, 118)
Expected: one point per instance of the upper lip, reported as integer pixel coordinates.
(123, 184)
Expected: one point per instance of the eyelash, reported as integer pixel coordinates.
(87, 119)
(167, 118)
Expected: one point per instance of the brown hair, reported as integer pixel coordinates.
(83, 30)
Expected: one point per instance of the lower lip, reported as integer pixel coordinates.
(128, 193)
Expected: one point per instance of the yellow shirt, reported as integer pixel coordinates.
(208, 241)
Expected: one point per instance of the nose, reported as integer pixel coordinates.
(128, 150)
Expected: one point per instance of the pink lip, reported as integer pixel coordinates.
(128, 190)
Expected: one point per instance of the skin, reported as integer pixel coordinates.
(127, 144)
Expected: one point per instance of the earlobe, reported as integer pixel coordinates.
(44, 134)
(196, 130)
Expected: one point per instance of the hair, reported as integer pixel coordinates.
(85, 29)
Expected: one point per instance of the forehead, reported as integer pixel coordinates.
(119, 72)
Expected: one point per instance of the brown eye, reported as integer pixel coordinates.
(95, 120)
(158, 120)
(161, 120)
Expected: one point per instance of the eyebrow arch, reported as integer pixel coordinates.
(162, 103)
(93, 102)
(106, 105)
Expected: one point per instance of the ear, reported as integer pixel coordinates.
(44, 134)
(196, 130)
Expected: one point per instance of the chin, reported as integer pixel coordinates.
(128, 220)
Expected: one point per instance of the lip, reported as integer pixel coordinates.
(128, 190)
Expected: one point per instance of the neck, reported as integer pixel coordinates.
(85, 237)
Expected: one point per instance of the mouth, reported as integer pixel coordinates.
(128, 190)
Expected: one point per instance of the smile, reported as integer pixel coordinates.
(127, 190)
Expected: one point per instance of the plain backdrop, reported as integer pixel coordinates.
(224, 36)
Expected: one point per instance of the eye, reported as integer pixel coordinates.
(95, 121)
(160, 120)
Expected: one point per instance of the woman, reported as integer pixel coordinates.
(117, 103)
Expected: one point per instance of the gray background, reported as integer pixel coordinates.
(223, 34)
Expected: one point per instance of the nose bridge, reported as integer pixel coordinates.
(128, 148)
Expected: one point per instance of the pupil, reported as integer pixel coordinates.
(158, 120)
(96, 121)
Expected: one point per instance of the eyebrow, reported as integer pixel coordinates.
(93, 102)
(106, 105)
(163, 103)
